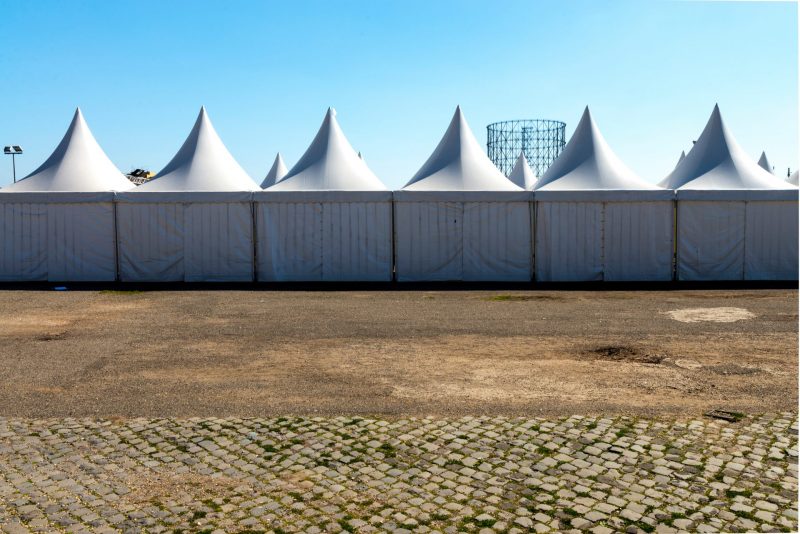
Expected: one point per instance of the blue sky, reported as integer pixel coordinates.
(650, 71)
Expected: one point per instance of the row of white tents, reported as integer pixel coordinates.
(717, 216)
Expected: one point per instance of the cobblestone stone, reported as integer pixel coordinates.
(478, 474)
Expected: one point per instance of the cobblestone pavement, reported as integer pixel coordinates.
(420, 475)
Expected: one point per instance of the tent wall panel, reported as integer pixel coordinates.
(218, 243)
(711, 240)
(637, 241)
(289, 237)
(770, 249)
(80, 242)
(429, 242)
(357, 241)
(569, 241)
(497, 241)
(23, 235)
(151, 242)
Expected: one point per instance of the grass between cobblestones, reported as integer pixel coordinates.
(487, 474)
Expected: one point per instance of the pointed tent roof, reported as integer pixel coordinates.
(588, 163)
(276, 173)
(202, 164)
(330, 164)
(717, 162)
(763, 162)
(793, 178)
(682, 156)
(77, 164)
(459, 164)
(522, 175)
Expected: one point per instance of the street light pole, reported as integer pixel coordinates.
(13, 150)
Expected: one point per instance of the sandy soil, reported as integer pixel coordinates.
(394, 353)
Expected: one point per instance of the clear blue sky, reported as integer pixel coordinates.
(650, 71)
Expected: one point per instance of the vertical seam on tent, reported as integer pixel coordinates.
(674, 235)
(463, 233)
(744, 245)
(322, 241)
(603, 206)
(532, 215)
(254, 240)
(394, 246)
(116, 239)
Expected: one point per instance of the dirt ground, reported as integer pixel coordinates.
(395, 353)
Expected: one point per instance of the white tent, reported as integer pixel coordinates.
(58, 222)
(793, 179)
(276, 173)
(328, 219)
(735, 220)
(459, 218)
(763, 162)
(683, 155)
(597, 220)
(193, 220)
(521, 174)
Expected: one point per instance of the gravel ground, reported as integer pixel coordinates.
(393, 354)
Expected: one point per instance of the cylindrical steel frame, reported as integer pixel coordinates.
(541, 140)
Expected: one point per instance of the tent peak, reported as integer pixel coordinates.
(763, 162)
(521, 174)
(202, 163)
(588, 163)
(276, 173)
(329, 164)
(78, 163)
(717, 162)
(459, 164)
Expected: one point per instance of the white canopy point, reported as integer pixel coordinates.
(522, 175)
(681, 157)
(459, 164)
(588, 163)
(276, 173)
(717, 162)
(763, 162)
(793, 179)
(330, 164)
(77, 164)
(202, 164)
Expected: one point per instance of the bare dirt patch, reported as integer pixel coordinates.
(716, 315)
(626, 354)
(393, 353)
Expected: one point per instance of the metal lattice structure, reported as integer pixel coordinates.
(541, 140)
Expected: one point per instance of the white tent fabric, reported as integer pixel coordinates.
(763, 162)
(793, 179)
(328, 219)
(597, 220)
(193, 220)
(276, 173)
(736, 221)
(680, 158)
(521, 174)
(57, 223)
(459, 218)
